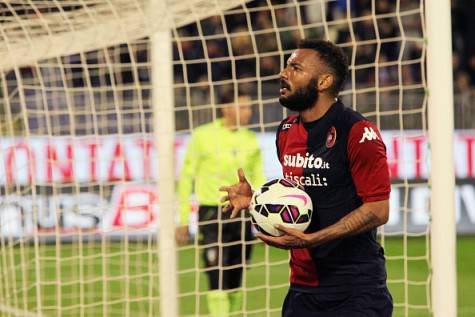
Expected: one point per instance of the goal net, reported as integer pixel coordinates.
(79, 203)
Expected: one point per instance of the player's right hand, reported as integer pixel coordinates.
(291, 239)
(238, 195)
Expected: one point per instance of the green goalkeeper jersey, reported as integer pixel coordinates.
(212, 158)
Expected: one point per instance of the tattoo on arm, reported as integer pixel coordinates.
(355, 222)
(359, 221)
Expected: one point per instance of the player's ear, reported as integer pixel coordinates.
(324, 82)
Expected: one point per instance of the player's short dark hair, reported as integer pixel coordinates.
(227, 95)
(333, 56)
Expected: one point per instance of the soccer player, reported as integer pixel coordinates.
(337, 266)
(215, 151)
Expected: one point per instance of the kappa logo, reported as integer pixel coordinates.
(288, 125)
(369, 135)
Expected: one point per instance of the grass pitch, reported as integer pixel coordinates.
(121, 279)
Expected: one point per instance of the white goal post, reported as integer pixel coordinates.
(441, 127)
(99, 100)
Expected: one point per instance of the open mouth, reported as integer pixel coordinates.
(284, 87)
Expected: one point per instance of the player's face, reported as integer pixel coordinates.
(245, 110)
(298, 80)
(239, 113)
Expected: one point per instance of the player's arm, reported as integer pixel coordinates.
(368, 216)
(370, 174)
(185, 188)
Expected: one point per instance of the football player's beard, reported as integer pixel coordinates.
(302, 98)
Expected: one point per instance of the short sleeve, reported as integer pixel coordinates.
(368, 162)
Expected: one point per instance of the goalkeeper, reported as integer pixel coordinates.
(214, 152)
(337, 267)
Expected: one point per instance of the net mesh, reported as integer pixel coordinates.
(79, 209)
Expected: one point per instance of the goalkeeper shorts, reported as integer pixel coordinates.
(222, 241)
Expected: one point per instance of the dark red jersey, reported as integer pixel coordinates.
(340, 159)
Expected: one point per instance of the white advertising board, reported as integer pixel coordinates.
(127, 166)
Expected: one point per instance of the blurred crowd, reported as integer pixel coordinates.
(247, 47)
(395, 35)
(384, 43)
(463, 33)
(371, 41)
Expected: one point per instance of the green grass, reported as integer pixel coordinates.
(93, 279)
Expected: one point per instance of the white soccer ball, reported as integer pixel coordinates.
(280, 201)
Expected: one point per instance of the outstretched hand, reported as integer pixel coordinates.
(291, 239)
(238, 195)
(182, 235)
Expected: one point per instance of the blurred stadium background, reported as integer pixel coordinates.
(78, 208)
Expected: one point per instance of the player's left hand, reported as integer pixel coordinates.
(291, 239)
